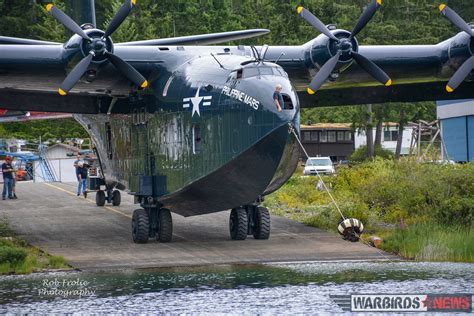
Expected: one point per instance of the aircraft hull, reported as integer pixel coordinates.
(237, 162)
(261, 169)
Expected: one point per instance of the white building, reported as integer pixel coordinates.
(389, 138)
(61, 158)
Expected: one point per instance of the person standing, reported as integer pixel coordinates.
(14, 174)
(81, 173)
(78, 159)
(7, 170)
(278, 98)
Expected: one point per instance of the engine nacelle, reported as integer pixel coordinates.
(322, 48)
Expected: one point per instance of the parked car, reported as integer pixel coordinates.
(322, 165)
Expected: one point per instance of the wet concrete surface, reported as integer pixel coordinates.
(53, 218)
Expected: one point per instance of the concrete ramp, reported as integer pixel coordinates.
(53, 218)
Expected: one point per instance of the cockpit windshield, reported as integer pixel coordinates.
(249, 72)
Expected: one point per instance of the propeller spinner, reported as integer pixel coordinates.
(97, 46)
(463, 72)
(346, 48)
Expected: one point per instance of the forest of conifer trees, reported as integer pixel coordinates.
(397, 22)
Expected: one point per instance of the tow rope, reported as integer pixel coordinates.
(349, 228)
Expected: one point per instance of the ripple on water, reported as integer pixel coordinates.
(269, 289)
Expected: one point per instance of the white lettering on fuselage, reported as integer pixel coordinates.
(241, 96)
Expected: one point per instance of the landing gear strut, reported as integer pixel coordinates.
(113, 196)
(152, 222)
(249, 220)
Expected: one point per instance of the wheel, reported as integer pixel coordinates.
(140, 226)
(238, 224)
(262, 225)
(165, 226)
(100, 198)
(116, 198)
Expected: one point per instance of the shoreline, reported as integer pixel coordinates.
(422, 212)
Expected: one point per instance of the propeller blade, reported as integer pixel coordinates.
(316, 23)
(263, 52)
(75, 74)
(66, 21)
(374, 70)
(323, 74)
(452, 16)
(127, 70)
(366, 17)
(460, 75)
(120, 16)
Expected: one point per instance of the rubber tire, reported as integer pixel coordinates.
(262, 229)
(116, 198)
(238, 224)
(140, 226)
(165, 226)
(100, 198)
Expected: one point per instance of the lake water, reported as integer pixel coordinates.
(303, 288)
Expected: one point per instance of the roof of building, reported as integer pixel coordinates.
(67, 147)
(339, 125)
(327, 126)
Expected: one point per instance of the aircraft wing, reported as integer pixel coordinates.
(31, 74)
(415, 92)
(333, 69)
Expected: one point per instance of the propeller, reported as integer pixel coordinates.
(463, 72)
(346, 47)
(98, 47)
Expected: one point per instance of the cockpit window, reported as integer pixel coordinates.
(279, 72)
(266, 71)
(256, 71)
(250, 72)
(239, 73)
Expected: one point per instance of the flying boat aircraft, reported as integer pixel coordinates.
(191, 128)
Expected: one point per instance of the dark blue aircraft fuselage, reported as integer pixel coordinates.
(207, 138)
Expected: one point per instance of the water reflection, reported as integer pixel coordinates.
(276, 288)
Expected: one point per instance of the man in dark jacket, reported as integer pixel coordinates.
(7, 170)
(81, 173)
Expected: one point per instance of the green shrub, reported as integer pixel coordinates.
(57, 262)
(12, 255)
(360, 154)
(5, 230)
(382, 191)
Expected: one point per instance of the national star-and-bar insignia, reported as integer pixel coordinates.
(196, 102)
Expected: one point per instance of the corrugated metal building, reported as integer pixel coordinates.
(457, 128)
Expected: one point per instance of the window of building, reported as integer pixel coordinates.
(390, 136)
(340, 136)
(307, 136)
(324, 137)
(348, 136)
(314, 136)
(331, 136)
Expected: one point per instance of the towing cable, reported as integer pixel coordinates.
(350, 228)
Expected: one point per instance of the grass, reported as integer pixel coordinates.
(432, 242)
(17, 257)
(435, 203)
